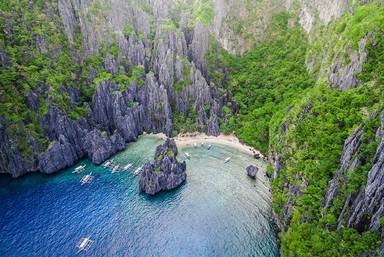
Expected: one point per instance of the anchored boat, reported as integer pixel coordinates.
(115, 169)
(79, 169)
(126, 167)
(87, 179)
(84, 244)
(108, 164)
(227, 160)
(137, 171)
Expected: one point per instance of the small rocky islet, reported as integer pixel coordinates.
(165, 173)
(252, 171)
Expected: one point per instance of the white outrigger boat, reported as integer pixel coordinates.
(209, 147)
(202, 144)
(84, 244)
(137, 171)
(87, 179)
(108, 164)
(227, 160)
(126, 167)
(79, 169)
(115, 168)
(195, 145)
(187, 155)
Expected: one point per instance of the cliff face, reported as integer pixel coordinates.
(238, 25)
(364, 207)
(165, 173)
(138, 63)
(83, 78)
(326, 149)
(133, 67)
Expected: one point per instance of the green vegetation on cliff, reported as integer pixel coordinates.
(40, 67)
(267, 80)
(315, 141)
(34, 63)
(198, 10)
(287, 110)
(272, 100)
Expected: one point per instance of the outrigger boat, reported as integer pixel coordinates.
(137, 171)
(195, 145)
(227, 160)
(87, 179)
(79, 169)
(209, 147)
(187, 155)
(115, 169)
(202, 144)
(126, 167)
(84, 244)
(108, 164)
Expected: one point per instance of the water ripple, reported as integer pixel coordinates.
(219, 211)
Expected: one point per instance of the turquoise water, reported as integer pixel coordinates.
(219, 211)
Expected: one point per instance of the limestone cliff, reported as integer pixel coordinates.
(140, 64)
(238, 25)
(165, 173)
(364, 207)
(134, 67)
(83, 78)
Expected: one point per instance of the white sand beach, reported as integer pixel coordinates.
(231, 140)
(190, 139)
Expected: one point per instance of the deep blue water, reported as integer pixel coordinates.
(219, 211)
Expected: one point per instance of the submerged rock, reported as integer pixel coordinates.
(166, 173)
(252, 171)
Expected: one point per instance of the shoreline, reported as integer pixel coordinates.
(189, 139)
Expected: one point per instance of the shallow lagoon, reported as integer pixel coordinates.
(219, 211)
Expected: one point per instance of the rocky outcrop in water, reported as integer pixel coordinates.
(252, 171)
(165, 173)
